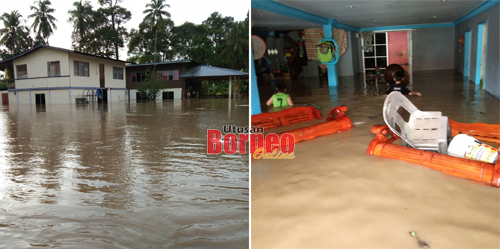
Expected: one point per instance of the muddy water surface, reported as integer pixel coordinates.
(333, 195)
(121, 176)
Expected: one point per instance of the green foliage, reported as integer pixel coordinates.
(100, 32)
(219, 41)
(14, 36)
(220, 88)
(151, 89)
(43, 23)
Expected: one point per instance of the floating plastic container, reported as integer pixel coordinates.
(465, 146)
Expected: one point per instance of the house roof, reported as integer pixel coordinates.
(3, 63)
(162, 63)
(203, 71)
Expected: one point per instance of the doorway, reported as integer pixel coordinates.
(467, 47)
(40, 99)
(168, 95)
(481, 53)
(101, 75)
(5, 98)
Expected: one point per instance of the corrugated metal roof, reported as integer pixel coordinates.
(208, 71)
(161, 63)
(55, 48)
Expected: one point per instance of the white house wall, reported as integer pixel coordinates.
(83, 81)
(36, 65)
(117, 95)
(36, 62)
(93, 79)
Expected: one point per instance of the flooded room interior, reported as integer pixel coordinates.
(334, 193)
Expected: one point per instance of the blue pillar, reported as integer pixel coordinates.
(254, 91)
(331, 69)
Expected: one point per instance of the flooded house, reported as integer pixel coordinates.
(52, 75)
(181, 78)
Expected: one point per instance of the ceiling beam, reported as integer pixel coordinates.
(407, 27)
(478, 10)
(285, 10)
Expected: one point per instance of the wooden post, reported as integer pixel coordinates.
(230, 83)
(238, 90)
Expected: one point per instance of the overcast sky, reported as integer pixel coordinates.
(181, 11)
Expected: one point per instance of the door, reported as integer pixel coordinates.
(5, 98)
(467, 54)
(398, 48)
(481, 53)
(101, 75)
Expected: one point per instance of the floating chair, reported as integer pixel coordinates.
(432, 133)
(286, 117)
(474, 171)
(336, 121)
(421, 130)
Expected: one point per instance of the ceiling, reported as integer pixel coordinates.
(366, 13)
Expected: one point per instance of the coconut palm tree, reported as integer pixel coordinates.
(81, 17)
(14, 32)
(44, 22)
(155, 15)
(237, 41)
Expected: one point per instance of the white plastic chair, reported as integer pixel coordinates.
(422, 130)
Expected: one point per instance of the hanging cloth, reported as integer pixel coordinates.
(367, 40)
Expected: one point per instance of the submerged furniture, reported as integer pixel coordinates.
(418, 129)
(430, 131)
(475, 171)
(336, 121)
(285, 117)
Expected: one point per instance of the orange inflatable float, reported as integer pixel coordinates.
(286, 117)
(476, 171)
(336, 121)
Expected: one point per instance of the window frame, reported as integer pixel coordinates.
(48, 69)
(17, 71)
(121, 73)
(78, 67)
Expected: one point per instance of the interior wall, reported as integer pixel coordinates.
(433, 48)
(345, 64)
(353, 43)
(492, 71)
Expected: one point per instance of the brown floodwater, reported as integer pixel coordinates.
(122, 176)
(334, 195)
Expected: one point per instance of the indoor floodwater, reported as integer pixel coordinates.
(126, 175)
(334, 195)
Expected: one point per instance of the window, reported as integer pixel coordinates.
(117, 73)
(22, 71)
(170, 75)
(138, 77)
(81, 68)
(53, 69)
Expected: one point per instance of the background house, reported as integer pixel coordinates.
(179, 77)
(51, 75)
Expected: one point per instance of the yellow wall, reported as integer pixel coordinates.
(93, 79)
(36, 62)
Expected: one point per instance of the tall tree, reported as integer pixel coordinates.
(117, 17)
(217, 28)
(142, 50)
(155, 15)
(14, 36)
(237, 43)
(44, 22)
(81, 17)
